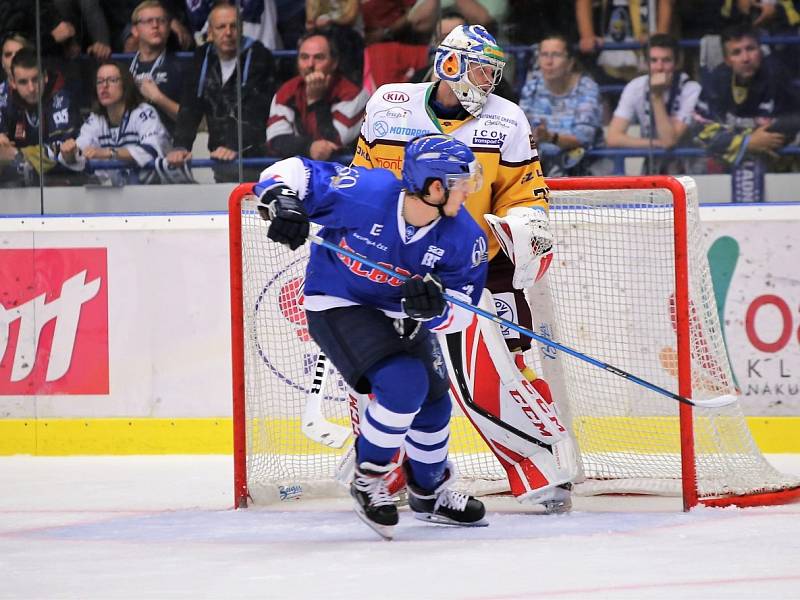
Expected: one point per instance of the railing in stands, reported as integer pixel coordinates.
(618, 155)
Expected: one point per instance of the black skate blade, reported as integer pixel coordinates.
(385, 531)
(442, 520)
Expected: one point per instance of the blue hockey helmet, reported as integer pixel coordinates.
(442, 157)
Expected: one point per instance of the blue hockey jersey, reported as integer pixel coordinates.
(361, 210)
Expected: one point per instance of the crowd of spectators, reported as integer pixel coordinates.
(108, 84)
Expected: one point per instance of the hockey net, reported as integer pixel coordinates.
(630, 286)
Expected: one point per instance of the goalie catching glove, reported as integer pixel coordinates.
(422, 298)
(524, 235)
(288, 219)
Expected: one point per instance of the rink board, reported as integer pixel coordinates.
(126, 436)
(151, 372)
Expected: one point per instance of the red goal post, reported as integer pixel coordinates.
(630, 285)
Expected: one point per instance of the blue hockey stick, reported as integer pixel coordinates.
(716, 402)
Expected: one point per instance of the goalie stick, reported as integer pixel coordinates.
(716, 402)
(314, 425)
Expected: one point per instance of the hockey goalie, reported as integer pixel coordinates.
(510, 406)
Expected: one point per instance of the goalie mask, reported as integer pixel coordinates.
(471, 63)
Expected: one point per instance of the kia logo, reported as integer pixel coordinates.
(396, 97)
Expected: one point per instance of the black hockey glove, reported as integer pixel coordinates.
(422, 298)
(288, 219)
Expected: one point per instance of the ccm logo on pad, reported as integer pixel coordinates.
(53, 321)
(396, 97)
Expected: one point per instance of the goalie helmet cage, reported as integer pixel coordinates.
(630, 285)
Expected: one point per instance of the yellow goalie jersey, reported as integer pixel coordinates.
(500, 139)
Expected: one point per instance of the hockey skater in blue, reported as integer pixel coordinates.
(378, 330)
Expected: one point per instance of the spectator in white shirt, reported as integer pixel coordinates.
(120, 127)
(661, 102)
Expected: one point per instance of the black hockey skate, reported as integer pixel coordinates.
(445, 506)
(374, 504)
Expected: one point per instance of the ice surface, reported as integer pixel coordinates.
(162, 527)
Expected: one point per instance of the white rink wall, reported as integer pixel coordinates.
(168, 316)
(142, 330)
(754, 253)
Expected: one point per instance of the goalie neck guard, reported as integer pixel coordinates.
(471, 63)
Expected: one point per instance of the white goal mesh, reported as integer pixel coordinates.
(613, 297)
(610, 294)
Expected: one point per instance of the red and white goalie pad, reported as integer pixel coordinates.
(516, 418)
(524, 235)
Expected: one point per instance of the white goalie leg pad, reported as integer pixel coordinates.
(346, 467)
(521, 405)
(538, 475)
(532, 468)
(520, 425)
(357, 404)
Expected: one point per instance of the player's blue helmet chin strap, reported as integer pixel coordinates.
(442, 157)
